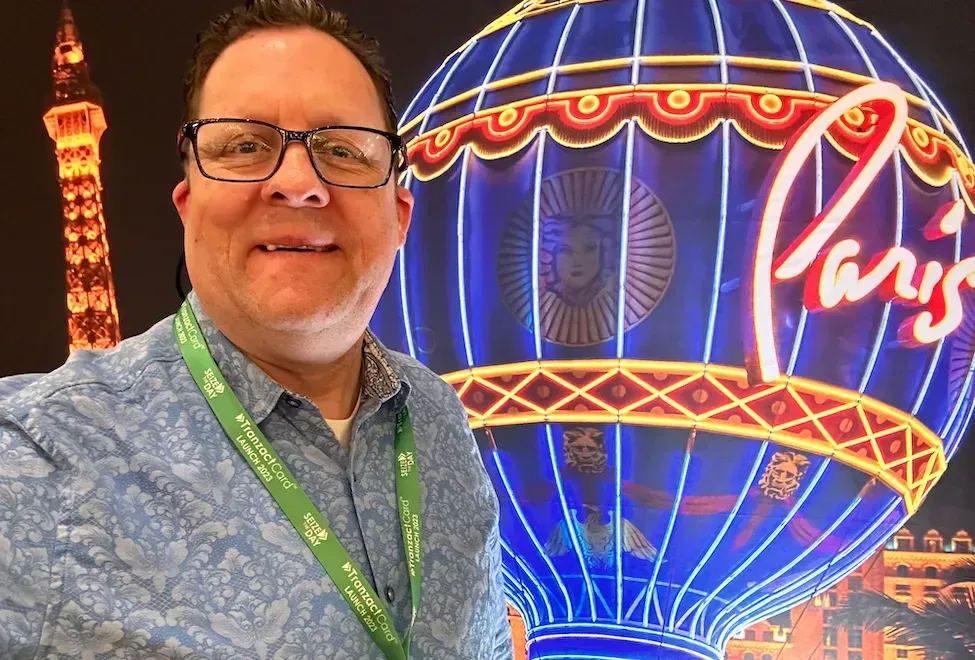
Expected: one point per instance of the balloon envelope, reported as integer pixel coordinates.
(587, 264)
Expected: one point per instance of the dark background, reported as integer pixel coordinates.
(137, 52)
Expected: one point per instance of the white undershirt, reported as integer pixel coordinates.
(342, 428)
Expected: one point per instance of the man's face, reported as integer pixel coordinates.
(295, 78)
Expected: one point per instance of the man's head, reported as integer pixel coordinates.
(295, 65)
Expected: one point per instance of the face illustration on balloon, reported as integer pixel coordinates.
(578, 260)
(566, 258)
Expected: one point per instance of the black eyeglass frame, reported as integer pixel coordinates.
(190, 130)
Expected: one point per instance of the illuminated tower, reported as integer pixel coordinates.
(76, 122)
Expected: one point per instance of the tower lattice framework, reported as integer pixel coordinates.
(76, 122)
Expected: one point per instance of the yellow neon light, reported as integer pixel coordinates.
(530, 8)
(771, 103)
(541, 99)
(588, 104)
(679, 98)
(527, 9)
(914, 462)
(748, 62)
(920, 136)
(855, 117)
(836, 9)
(923, 163)
(936, 178)
(595, 65)
(442, 138)
(588, 116)
(664, 60)
(507, 118)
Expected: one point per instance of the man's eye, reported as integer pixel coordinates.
(247, 146)
(339, 152)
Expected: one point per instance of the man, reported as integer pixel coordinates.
(241, 481)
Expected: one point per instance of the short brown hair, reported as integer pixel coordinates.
(257, 14)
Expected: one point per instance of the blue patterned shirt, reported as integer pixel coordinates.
(131, 528)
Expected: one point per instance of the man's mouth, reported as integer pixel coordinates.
(300, 248)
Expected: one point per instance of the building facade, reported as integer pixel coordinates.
(911, 568)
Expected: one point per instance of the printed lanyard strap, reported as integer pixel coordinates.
(308, 521)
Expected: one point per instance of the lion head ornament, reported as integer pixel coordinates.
(783, 474)
(585, 450)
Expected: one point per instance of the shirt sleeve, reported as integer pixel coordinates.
(503, 646)
(29, 505)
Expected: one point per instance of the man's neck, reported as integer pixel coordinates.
(325, 370)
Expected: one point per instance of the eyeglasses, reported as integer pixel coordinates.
(247, 151)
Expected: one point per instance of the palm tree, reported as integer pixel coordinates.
(943, 628)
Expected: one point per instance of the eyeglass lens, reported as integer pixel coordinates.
(246, 151)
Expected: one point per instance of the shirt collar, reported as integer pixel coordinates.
(259, 393)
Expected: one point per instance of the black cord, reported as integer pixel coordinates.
(179, 276)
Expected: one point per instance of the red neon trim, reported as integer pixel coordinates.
(946, 221)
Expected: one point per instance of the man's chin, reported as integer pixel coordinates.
(303, 315)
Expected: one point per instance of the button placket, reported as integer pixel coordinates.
(363, 457)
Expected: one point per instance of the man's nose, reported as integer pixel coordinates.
(296, 183)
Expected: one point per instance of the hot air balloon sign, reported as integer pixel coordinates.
(700, 273)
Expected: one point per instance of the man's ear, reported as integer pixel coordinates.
(181, 198)
(404, 212)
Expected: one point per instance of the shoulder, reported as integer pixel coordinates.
(90, 384)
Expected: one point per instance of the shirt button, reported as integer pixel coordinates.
(390, 595)
(293, 402)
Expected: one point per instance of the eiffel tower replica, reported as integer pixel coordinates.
(76, 122)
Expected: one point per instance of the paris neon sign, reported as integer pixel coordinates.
(832, 275)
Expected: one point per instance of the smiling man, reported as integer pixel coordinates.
(256, 476)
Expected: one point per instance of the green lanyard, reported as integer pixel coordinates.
(282, 485)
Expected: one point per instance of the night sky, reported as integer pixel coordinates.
(137, 53)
